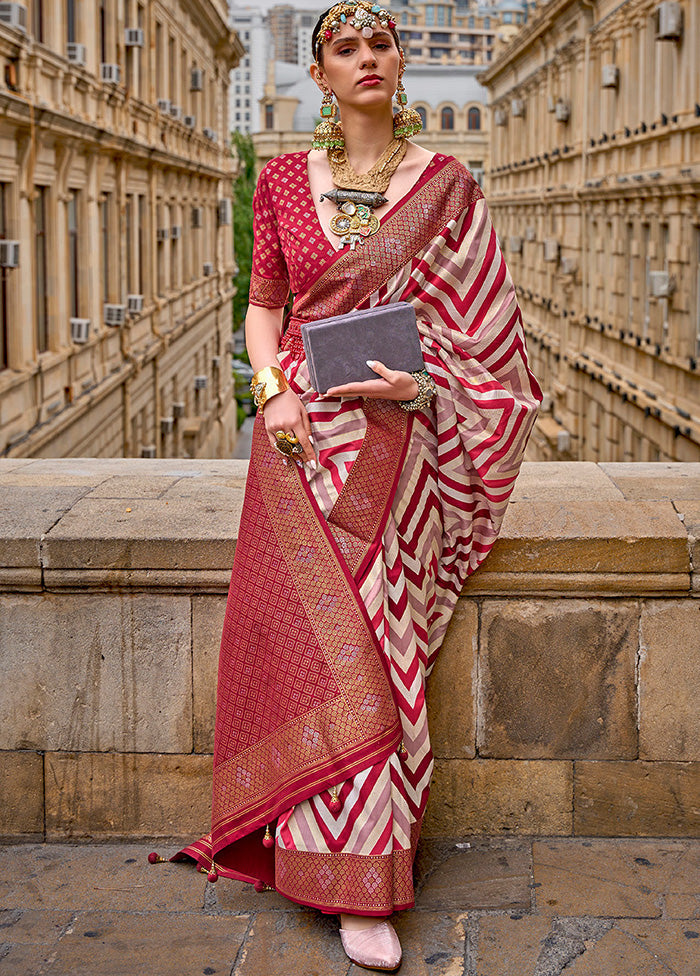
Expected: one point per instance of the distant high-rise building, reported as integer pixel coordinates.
(248, 78)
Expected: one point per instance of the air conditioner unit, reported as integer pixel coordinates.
(668, 19)
(149, 451)
(14, 15)
(530, 234)
(208, 268)
(224, 211)
(9, 254)
(178, 410)
(209, 133)
(80, 330)
(162, 233)
(164, 105)
(133, 37)
(115, 314)
(517, 107)
(175, 232)
(562, 111)
(197, 80)
(551, 103)
(110, 73)
(166, 425)
(230, 345)
(190, 121)
(551, 249)
(176, 112)
(76, 54)
(610, 76)
(515, 245)
(197, 216)
(563, 442)
(200, 382)
(661, 284)
(134, 304)
(500, 117)
(216, 362)
(568, 266)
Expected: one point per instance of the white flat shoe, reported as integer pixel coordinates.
(375, 948)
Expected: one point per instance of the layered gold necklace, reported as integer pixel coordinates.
(357, 194)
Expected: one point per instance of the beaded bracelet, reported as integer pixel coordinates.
(426, 391)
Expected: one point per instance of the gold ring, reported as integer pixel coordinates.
(287, 444)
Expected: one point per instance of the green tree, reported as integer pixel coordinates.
(243, 189)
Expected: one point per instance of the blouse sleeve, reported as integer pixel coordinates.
(269, 279)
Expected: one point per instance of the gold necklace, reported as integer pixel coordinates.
(357, 194)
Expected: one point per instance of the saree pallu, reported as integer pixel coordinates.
(345, 578)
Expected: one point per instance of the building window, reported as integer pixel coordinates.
(141, 251)
(41, 308)
(430, 16)
(103, 31)
(3, 281)
(104, 246)
(474, 118)
(70, 21)
(507, 18)
(487, 23)
(447, 118)
(38, 20)
(73, 271)
(129, 219)
(269, 116)
(470, 23)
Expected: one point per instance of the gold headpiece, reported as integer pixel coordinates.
(360, 14)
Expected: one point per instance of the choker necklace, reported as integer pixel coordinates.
(357, 194)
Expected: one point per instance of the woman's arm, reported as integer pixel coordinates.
(284, 411)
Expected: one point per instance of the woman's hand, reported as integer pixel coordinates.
(393, 384)
(286, 412)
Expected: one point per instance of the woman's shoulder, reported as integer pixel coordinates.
(284, 165)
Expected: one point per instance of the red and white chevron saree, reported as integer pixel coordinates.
(345, 578)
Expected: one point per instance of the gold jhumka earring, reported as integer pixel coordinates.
(328, 134)
(407, 122)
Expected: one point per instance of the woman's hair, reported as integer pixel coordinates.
(317, 29)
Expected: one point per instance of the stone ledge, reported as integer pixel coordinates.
(92, 523)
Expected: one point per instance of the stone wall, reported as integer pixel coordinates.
(563, 701)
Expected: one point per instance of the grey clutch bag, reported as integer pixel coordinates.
(337, 347)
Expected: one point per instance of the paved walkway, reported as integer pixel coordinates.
(497, 907)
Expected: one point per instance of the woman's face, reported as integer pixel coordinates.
(361, 71)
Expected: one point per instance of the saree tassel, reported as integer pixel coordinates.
(154, 858)
(403, 752)
(260, 886)
(336, 804)
(212, 874)
(268, 839)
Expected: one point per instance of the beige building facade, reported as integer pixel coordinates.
(595, 192)
(116, 242)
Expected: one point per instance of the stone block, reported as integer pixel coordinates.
(22, 806)
(494, 796)
(611, 878)
(676, 945)
(118, 533)
(591, 537)
(207, 624)
(690, 511)
(286, 943)
(557, 481)
(483, 877)
(26, 516)
(33, 928)
(669, 706)
(557, 679)
(637, 799)
(451, 686)
(93, 877)
(101, 795)
(616, 953)
(122, 944)
(96, 672)
(655, 479)
(509, 945)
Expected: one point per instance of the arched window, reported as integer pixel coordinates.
(470, 23)
(423, 116)
(474, 118)
(447, 118)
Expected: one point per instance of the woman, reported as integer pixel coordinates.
(349, 562)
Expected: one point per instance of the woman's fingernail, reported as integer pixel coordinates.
(370, 363)
(312, 465)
